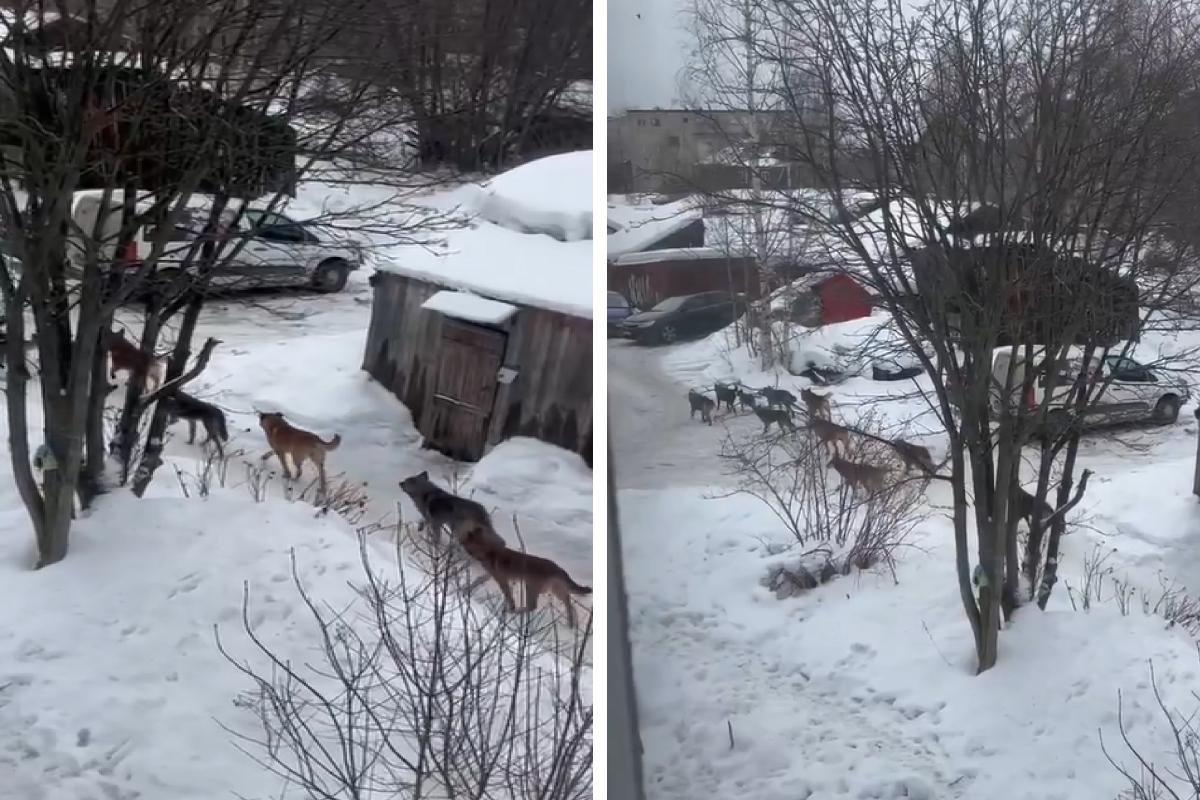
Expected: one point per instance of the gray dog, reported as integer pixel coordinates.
(442, 510)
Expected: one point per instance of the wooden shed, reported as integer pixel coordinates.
(646, 279)
(492, 337)
(823, 298)
(474, 371)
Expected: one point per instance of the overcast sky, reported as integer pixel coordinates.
(647, 46)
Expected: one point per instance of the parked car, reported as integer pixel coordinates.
(685, 315)
(618, 310)
(1133, 392)
(277, 251)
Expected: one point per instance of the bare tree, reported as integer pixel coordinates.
(420, 693)
(1017, 161)
(484, 80)
(174, 116)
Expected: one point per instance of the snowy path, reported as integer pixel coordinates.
(656, 444)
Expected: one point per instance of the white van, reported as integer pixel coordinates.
(277, 250)
(1134, 392)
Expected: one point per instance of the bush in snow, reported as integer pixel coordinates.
(835, 529)
(1157, 776)
(418, 692)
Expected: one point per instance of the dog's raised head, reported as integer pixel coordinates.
(269, 419)
(415, 485)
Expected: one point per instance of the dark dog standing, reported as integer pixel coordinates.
(779, 398)
(748, 400)
(726, 393)
(704, 405)
(184, 406)
(780, 416)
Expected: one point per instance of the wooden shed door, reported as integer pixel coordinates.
(465, 389)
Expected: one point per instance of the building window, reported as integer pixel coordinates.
(657, 122)
(672, 141)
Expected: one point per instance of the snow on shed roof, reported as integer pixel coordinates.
(671, 254)
(551, 195)
(470, 307)
(509, 262)
(524, 268)
(641, 225)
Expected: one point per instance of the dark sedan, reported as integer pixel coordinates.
(683, 316)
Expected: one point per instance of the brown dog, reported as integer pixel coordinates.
(859, 475)
(124, 356)
(285, 439)
(540, 575)
(914, 455)
(829, 432)
(817, 404)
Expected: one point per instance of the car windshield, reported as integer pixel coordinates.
(670, 304)
(616, 301)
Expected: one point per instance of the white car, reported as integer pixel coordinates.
(276, 250)
(1133, 392)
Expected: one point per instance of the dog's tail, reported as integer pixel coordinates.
(576, 588)
(333, 443)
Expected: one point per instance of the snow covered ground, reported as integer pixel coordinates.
(863, 688)
(110, 682)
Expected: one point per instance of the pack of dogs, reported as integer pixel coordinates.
(467, 522)
(775, 406)
(286, 441)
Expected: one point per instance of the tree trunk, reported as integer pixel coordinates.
(1058, 525)
(152, 454)
(17, 404)
(126, 435)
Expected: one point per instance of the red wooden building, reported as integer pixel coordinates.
(823, 298)
(646, 279)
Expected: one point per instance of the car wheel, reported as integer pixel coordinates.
(331, 276)
(668, 334)
(1167, 410)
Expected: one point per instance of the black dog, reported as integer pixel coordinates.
(183, 406)
(749, 400)
(780, 416)
(779, 397)
(700, 403)
(726, 393)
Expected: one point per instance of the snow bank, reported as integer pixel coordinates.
(552, 196)
(550, 491)
(850, 347)
(114, 685)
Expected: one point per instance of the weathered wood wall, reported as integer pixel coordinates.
(551, 398)
(402, 343)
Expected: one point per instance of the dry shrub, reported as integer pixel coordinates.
(834, 530)
(1099, 584)
(417, 692)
